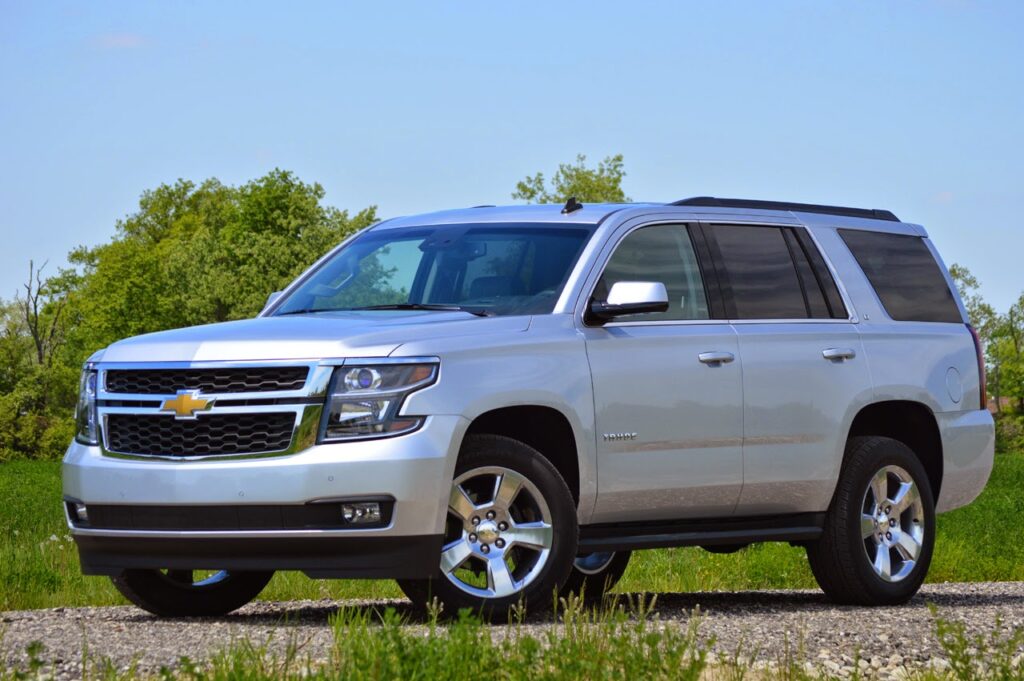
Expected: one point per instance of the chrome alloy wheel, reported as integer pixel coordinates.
(499, 533)
(892, 523)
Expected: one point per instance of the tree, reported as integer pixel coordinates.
(1007, 352)
(982, 315)
(588, 185)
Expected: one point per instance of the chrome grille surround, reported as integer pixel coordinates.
(305, 405)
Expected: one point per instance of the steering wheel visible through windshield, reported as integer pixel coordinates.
(485, 269)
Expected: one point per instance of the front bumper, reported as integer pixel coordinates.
(413, 470)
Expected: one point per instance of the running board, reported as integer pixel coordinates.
(796, 528)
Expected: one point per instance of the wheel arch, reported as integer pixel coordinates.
(913, 424)
(544, 428)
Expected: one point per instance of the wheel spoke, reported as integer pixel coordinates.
(867, 525)
(460, 504)
(908, 547)
(499, 577)
(506, 487)
(880, 487)
(453, 555)
(536, 535)
(905, 497)
(882, 564)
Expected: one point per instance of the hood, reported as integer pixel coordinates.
(315, 336)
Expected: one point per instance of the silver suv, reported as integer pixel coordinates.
(492, 405)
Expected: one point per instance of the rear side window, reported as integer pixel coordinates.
(905, 276)
(775, 273)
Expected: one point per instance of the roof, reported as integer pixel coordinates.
(700, 208)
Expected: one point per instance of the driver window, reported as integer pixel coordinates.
(659, 253)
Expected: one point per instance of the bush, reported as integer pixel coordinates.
(1010, 432)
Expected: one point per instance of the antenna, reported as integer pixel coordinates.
(571, 206)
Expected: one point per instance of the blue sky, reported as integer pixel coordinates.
(913, 106)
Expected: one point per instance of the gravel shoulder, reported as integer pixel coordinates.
(762, 622)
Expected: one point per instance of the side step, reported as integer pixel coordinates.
(800, 527)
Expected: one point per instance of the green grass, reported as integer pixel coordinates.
(39, 564)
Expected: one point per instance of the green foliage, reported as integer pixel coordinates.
(1002, 336)
(191, 254)
(589, 185)
(1009, 432)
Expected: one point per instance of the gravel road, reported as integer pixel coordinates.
(889, 639)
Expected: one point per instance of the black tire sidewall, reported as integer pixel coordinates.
(866, 457)
(593, 586)
(156, 593)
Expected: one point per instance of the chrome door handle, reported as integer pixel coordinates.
(715, 358)
(838, 354)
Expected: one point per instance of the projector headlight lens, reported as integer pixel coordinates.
(364, 401)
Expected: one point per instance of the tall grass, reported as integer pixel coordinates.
(39, 565)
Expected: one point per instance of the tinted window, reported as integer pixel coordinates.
(822, 275)
(905, 276)
(659, 253)
(760, 270)
(504, 270)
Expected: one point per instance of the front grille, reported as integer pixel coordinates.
(209, 434)
(233, 380)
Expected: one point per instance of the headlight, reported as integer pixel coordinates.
(87, 429)
(364, 400)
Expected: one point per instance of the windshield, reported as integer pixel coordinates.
(486, 269)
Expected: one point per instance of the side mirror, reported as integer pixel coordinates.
(630, 297)
(271, 299)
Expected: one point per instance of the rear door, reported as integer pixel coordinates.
(804, 371)
(669, 421)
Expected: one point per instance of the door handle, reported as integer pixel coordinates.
(715, 358)
(838, 354)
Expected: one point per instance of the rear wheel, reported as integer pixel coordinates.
(595, 574)
(190, 593)
(880, 529)
(510, 535)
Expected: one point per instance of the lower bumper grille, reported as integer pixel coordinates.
(207, 435)
(325, 516)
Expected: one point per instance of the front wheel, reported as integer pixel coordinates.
(188, 593)
(880, 530)
(510, 536)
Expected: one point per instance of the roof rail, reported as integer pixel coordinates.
(871, 213)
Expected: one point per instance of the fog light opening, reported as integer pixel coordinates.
(361, 513)
(82, 513)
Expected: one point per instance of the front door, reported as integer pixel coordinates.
(668, 393)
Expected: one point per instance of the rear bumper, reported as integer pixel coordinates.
(317, 556)
(968, 447)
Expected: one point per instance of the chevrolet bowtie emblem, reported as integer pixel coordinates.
(186, 404)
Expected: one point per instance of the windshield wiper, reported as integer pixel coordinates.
(479, 312)
(309, 310)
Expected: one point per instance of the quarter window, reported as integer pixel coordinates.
(659, 253)
(905, 276)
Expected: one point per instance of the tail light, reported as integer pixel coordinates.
(982, 380)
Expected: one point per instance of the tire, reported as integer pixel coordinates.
(595, 574)
(531, 501)
(868, 555)
(173, 593)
